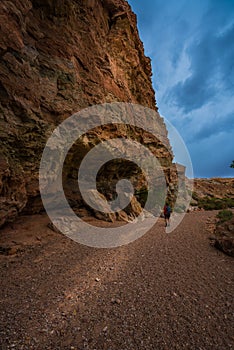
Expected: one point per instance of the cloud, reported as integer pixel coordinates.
(191, 47)
(214, 127)
(212, 159)
(212, 71)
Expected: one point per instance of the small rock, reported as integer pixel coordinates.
(231, 228)
(211, 238)
(105, 329)
(13, 251)
(97, 279)
(116, 301)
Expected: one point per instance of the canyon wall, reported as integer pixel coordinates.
(56, 58)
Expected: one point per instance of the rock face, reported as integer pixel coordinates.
(57, 57)
(224, 237)
(215, 187)
(214, 193)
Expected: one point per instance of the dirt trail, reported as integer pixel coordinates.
(161, 292)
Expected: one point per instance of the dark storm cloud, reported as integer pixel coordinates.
(212, 71)
(181, 28)
(191, 44)
(214, 127)
(213, 158)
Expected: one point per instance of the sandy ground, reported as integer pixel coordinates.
(163, 291)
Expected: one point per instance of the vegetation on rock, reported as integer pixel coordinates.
(224, 215)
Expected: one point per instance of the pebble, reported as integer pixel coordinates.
(116, 301)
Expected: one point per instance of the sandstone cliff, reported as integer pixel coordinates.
(57, 57)
(215, 187)
(214, 193)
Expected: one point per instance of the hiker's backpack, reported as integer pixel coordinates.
(168, 210)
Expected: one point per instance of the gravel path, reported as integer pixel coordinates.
(161, 292)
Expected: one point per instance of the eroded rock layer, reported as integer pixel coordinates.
(57, 57)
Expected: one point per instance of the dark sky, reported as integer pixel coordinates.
(191, 45)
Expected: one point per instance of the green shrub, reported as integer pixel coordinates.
(212, 203)
(195, 196)
(224, 215)
(229, 202)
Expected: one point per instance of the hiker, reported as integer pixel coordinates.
(167, 214)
